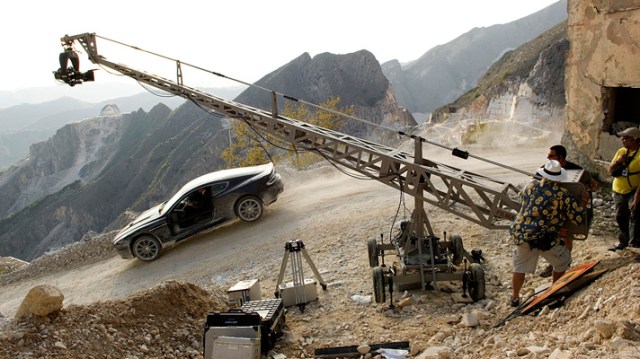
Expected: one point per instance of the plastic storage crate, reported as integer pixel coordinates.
(287, 291)
(243, 291)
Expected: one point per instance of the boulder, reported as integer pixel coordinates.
(41, 300)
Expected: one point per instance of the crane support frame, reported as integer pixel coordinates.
(482, 200)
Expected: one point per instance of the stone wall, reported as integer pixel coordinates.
(604, 53)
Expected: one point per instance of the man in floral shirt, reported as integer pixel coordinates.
(536, 229)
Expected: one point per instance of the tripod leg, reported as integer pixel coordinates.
(298, 279)
(283, 267)
(313, 268)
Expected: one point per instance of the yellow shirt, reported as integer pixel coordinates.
(626, 184)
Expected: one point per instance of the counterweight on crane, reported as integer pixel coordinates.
(424, 259)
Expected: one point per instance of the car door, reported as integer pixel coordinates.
(217, 188)
(193, 212)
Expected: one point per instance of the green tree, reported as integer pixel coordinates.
(250, 149)
(318, 117)
(245, 149)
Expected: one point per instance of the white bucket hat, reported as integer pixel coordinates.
(553, 171)
(631, 132)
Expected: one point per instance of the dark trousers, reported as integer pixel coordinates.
(628, 221)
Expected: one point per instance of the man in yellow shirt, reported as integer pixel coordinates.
(625, 170)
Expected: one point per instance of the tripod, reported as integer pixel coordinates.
(293, 250)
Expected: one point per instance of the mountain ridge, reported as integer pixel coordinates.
(447, 71)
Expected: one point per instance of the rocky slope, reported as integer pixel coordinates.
(355, 78)
(447, 71)
(27, 123)
(86, 176)
(519, 98)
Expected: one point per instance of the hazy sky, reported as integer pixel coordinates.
(244, 39)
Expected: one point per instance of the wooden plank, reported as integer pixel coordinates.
(568, 277)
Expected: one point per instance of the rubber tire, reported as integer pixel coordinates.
(379, 292)
(476, 284)
(372, 248)
(457, 248)
(249, 208)
(146, 248)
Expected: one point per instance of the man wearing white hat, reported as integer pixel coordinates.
(545, 207)
(625, 170)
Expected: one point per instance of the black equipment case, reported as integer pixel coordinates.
(272, 319)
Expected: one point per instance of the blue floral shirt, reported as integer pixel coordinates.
(545, 208)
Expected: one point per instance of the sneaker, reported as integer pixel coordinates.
(618, 247)
(634, 245)
(515, 302)
(547, 272)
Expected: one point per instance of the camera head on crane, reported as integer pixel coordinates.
(71, 75)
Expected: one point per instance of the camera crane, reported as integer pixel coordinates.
(423, 258)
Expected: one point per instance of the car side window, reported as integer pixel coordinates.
(216, 188)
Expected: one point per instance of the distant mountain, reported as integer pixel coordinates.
(520, 98)
(93, 92)
(356, 78)
(28, 123)
(90, 172)
(447, 71)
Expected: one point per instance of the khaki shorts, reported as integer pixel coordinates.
(525, 260)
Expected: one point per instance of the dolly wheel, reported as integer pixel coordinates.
(457, 248)
(378, 285)
(372, 247)
(476, 284)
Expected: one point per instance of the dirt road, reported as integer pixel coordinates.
(321, 207)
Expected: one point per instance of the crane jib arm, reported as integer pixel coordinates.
(479, 199)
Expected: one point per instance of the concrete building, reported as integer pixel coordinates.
(602, 78)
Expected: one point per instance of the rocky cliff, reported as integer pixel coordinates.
(520, 98)
(26, 124)
(447, 71)
(78, 152)
(83, 178)
(356, 78)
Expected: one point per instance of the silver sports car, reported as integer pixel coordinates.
(205, 202)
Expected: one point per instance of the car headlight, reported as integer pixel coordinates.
(274, 177)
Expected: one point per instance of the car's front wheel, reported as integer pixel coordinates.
(249, 208)
(146, 248)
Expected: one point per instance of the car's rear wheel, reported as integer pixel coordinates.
(249, 208)
(146, 248)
